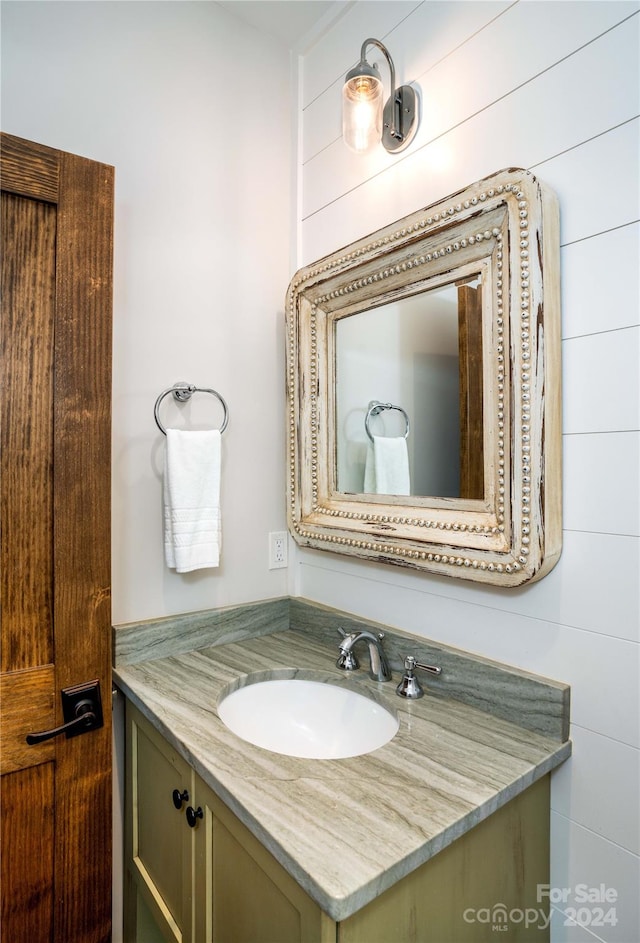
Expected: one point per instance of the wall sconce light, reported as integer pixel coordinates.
(364, 120)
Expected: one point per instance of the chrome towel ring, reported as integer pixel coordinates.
(376, 407)
(182, 393)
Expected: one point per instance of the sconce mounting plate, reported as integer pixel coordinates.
(407, 112)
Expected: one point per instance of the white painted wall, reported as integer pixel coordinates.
(552, 87)
(173, 94)
(202, 236)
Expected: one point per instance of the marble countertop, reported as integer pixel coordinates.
(346, 829)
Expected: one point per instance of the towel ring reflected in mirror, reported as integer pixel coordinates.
(375, 408)
(182, 393)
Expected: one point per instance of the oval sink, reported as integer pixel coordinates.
(310, 719)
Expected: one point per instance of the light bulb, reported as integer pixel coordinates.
(362, 112)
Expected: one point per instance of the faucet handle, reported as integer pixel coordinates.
(347, 660)
(434, 669)
(409, 685)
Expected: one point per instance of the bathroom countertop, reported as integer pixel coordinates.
(346, 829)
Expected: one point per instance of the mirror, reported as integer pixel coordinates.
(423, 387)
(406, 370)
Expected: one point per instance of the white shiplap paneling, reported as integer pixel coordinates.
(601, 475)
(590, 304)
(550, 83)
(503, 136)
(612, 404)
(550, 86)
(594, 586)
(579, 856)
(447, 25)
(583, 788)
(598, 184)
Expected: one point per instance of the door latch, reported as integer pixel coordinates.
(81, 711)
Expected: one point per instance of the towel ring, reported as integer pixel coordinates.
(182, 393)
(375, 408)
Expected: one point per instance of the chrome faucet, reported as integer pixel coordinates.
(379, 668)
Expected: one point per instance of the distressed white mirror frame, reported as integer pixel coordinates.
(507, 228)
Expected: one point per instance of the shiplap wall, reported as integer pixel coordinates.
(552, 87)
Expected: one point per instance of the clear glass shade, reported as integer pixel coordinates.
(362, 101)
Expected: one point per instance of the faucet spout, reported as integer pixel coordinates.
(379, 668)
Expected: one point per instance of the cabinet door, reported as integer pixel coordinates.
(159, 842)
(244, 894)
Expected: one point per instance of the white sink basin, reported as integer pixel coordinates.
(307, 718)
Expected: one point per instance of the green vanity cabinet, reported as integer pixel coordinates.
(216, 883)
(209, 882)
(159, 844)
(246, 895)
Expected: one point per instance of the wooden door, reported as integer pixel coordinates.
(471, 391)
(55, 376)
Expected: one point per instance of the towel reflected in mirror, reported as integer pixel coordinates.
(387, 466)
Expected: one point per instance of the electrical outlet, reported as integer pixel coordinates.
(277, 549)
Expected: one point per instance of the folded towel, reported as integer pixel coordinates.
(386, 469)
(192, 532)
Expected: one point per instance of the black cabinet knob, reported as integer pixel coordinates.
(193, 815)
(180, 797)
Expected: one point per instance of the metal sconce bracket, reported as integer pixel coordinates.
(399, 123)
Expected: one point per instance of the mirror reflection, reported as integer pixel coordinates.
(409, 390)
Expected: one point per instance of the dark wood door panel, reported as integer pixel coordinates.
(26, 444)
(27, 802)
(57, 227)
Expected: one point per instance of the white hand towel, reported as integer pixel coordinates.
(386, 469)
(192, 527)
